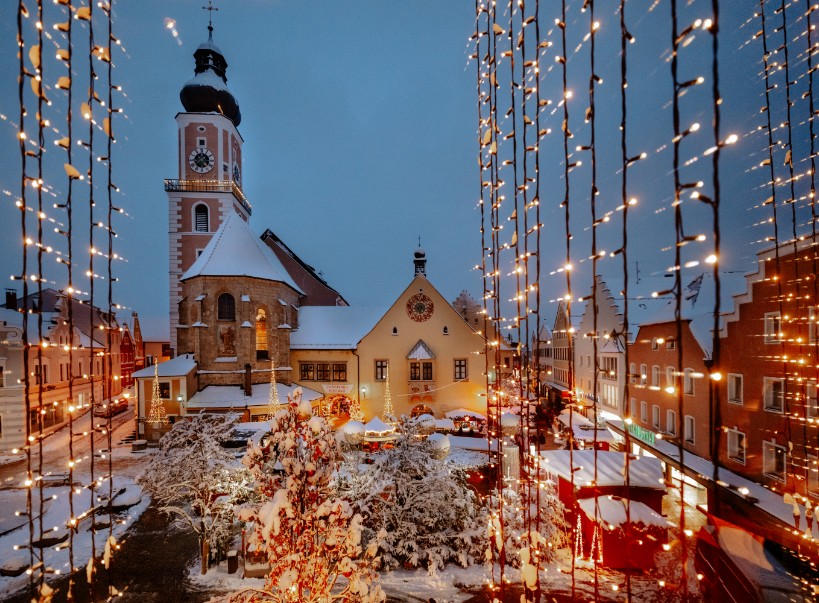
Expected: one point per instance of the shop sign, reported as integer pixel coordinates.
(337, 388)
(641, 433)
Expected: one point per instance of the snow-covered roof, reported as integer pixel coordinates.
(446, 424)
(748, 552)
(420, 351)
(13, 318)
(644, 472)
(175, 367)
(612, 510)
(235, 251)
(333, 327)
(208, 78)
(376, 425)
(468, 443)
(155, 328)
(232, 396)
(463, 412)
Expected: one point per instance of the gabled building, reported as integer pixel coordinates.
(770, 366)
(74, 364)
(599, 352)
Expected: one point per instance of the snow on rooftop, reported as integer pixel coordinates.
(235, 251)
(208, 78)
(232, 396)
(468, 443)
(333, 327)
(644, 472)
(612, 510)
(376, 425)
(175, 367)
(155, 328)
(463, 412)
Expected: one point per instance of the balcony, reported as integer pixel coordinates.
(208, 186)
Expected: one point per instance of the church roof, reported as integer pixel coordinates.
(333, 327)
(235, 251)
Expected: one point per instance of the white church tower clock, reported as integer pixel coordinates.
(208, 185)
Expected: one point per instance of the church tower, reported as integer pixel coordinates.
(208, 186)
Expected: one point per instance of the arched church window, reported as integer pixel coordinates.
(201, 218)
(226, 307)
(261, 335)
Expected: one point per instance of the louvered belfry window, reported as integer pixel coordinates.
(201, 214)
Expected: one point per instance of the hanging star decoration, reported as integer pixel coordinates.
(389, 412)
(273, 400)
(157, 415)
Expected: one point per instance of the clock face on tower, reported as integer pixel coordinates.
(419, 307)
(201, 160)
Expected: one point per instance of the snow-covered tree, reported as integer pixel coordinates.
(197, 481)
(419, 510)
(312, 538)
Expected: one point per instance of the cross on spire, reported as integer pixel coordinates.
(210, 8)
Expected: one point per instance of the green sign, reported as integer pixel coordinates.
(641, 433)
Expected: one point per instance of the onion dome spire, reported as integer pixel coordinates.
(207, 92)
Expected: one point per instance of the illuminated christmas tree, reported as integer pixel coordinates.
(389, 412)
(273, 400)
(157, 415)
(356, 414)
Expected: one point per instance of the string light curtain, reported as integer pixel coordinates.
(572, 195)
(66, 97)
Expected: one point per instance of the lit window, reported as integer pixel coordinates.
(340, 371)
(736, 446)
(381, 370)
(323, 371)
(774, 394)
(307, 371)
(688, 429)
(735, 388)
(773, 327)
(671, 422)
(773, 461)
(688, 382)
(811, 409)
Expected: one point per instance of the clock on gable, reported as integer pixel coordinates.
(201, 160)
(419, 307)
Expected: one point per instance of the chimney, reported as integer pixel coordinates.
(248, 382)
(11, 299)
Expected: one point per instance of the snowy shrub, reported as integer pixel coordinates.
(418, 510)
(197, 481)
(547, 528)
(310, 537)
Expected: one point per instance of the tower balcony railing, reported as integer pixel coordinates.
(208, 186)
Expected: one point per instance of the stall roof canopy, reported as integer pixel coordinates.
(644, 472)
(612, 510)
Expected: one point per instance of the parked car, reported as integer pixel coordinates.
(737, 566)
(111, 408)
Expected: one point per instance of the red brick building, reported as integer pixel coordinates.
(657, 383)
(769, 365)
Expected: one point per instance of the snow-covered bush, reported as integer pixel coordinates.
(419, 511)
(197, 481)
(311, 537)
(547, 526)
